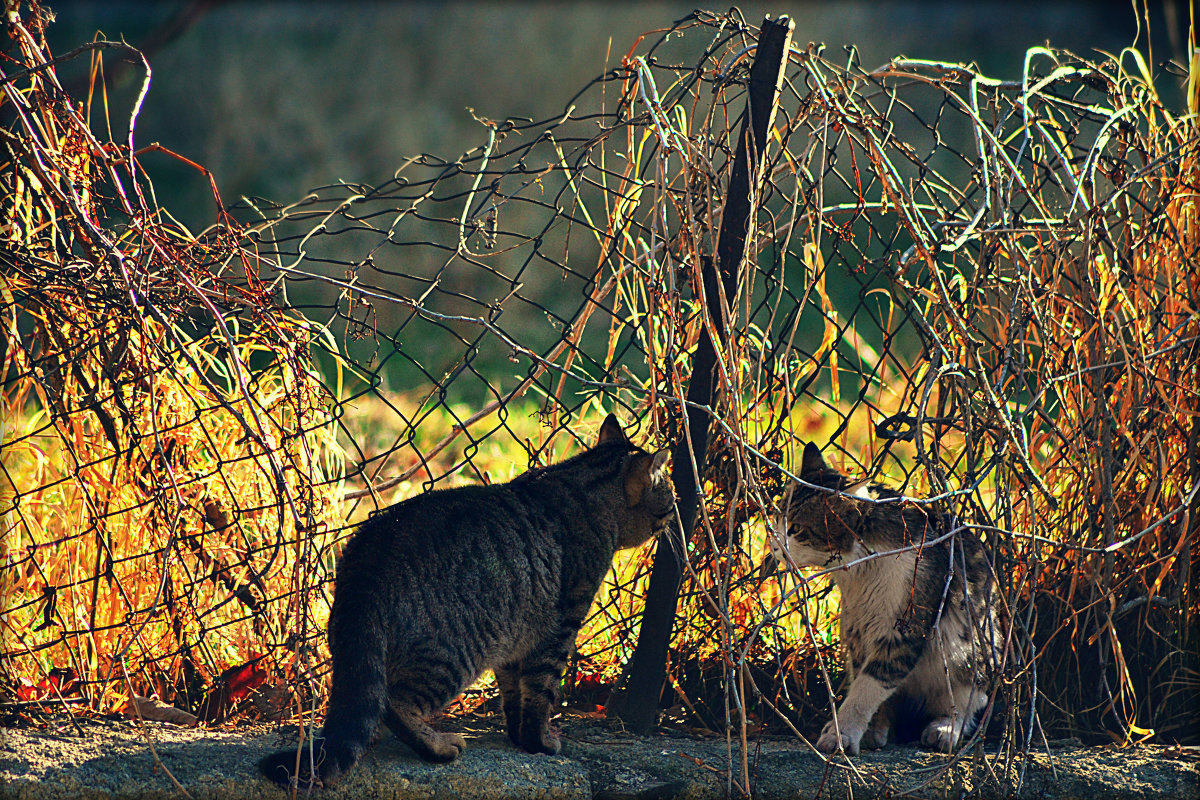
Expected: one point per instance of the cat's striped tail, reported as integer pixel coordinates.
(357, 701)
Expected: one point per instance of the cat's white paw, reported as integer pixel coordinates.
(830, 740)
(940, 735)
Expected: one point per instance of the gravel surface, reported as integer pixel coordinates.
(108, 758)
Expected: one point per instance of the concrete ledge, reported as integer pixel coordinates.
(111, 759)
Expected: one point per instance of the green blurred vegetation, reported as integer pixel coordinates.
(276, 98)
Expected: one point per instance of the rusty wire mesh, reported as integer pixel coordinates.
(972, 289)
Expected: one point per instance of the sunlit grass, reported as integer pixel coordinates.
(168, 549)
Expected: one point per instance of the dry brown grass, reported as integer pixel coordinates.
(172, 479)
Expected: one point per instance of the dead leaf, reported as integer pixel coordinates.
(149, 708)
(235, 685)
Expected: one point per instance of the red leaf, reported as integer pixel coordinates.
(63, 679)
(241, 681)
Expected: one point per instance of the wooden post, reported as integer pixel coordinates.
(636, 702)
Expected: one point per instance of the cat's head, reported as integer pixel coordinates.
(819, 524)
(648, 491)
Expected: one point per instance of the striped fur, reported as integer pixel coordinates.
(438, 589)
(919, 626)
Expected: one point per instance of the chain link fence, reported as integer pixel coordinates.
(981, 292)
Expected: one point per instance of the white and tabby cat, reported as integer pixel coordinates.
(919, 626)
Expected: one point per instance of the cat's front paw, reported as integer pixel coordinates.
(940, 735)
(830, 740)
(544, 741)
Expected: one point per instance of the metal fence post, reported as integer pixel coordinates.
(636, 701)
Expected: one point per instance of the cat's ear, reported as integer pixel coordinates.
(611, 431)
(811, 463)
(861, 489)
(660, 462)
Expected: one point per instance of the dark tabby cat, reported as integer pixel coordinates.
(913, 645)
(441, 587)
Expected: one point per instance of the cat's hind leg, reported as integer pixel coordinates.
(410, 727)
(430, 675)
(955, 719)
(955, 707)
(877, 732)
(430, 679)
